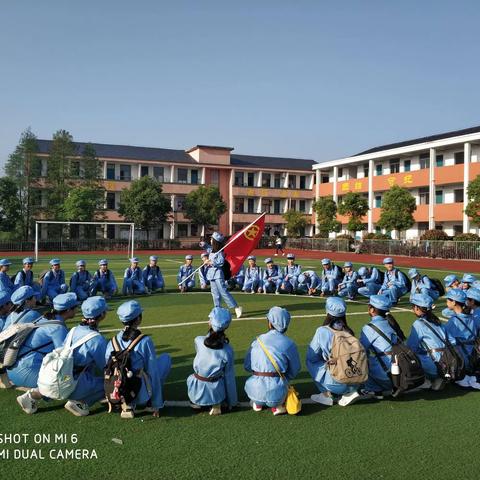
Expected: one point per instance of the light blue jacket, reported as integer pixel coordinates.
(373, 278)
(24, 278)
(106, 280)
(350, 279)
(331, 274)
(215, 272)
(464, 329)
(293, 271)
(81, 280)
(5, 282)
(397, 279)
(253, 274)
(271, 274)
(53, 280)
(183, 272)
(134, 274)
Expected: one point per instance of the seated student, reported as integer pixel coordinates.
(422, 284)
(5, 307)
(290, 275)
(202, 272)
(25, 276)
(237, 280)
(451, 281)
(152, 275)
(5, 280)
(53, 282)
(330, 276)
(462, 326)
(81, 281)
(467, 280)
(473, 302)
(145, 363)
(368, 281)
(394, 283)
(253, 276)
(133, 279)
(265, 387)
(377, 347)
(104, 280)
(213, 381)
(24, 299)
(272, 279)
(348, 286)
(319, 354)
(184, 273)
(308, 282)
(41, 341)
(424, 339)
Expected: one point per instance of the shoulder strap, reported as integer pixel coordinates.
(83, 340)
(135, 342)
(443, 340)
(269, 356)
(115, 344)
(465, 325)
(374, 327)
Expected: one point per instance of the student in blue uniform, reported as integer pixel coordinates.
(265, 387)
(104, 280)
(424, 342)
(25, 275)
(185, 271)
(202, 272)
(152, 275)
(5, 307)
(272, 278)
(24, 299)
(237, 280)
(473, 302)
(253, 276)
(213, 381)
(6, 283)
(467, 280)
(451, 281)
(290, 275)
(215, 274)
(81, 281)
(348, 287)
(153, 369)
(319, 353)
(464, 329)
(368, 281)
(422, 284)
(133, 279)
(54, 281)
(330, 276)
(309, 282)
(394, 282)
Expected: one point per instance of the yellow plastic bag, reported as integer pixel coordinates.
(293, 404)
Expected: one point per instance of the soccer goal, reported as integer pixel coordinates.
(130, 243)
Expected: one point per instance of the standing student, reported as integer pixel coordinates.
(330, 276)
(213, 381)
(104, 280)
(272, 279)
(278, 244)
(133, 279)
(422, 284)
(348, 287)
(185, 271)
(265, 387)
(309, 282)
(290, 275)
(394, 282)
(253, 276)
(81, 281)
(152, 369)
(5, 281)
(152, 275)
(368, 281)
(25, 275)
(53, 282)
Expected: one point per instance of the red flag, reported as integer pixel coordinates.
(243, 243)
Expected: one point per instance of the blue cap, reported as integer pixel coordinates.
(382, 302)
(252, 257)
(348, 264)
(268, 260)
(103, 261)
(468, 278)
(4, 297)
(220, 318)
(413, 272)
(326, 261)
(387, 260)
(54, 261)
(188, 257)
(218, 236)
(28, 260)
(421, 300)
(335, 306)
(80, 263)
(476, 284)
(279, 318)
(92, 307)
(4, 262)
(362, 271)
(449, 279)
(65, 301)
(153, 258)
(21, 294)
(128, 311)
(457, 295)
(134, 260)
(203, 255)
(290, 256)
(473, 294)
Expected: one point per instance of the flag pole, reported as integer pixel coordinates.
(225, 246)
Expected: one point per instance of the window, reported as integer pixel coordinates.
(158, 173)
(378, 201)
(179, 201)
(250, 179)
(325, 178)
(407, 165)
(214, 177)
(110, 231)
(125, 172)
(110, 171)
(182, 229)
(238, 179)
(439, 160)
(457, 229)
(239, 205)
(439, 196)
(302, 205)
(303, 182)
(422, 227)
(251, 205)
(110, 201)
(340, 172)
(458, 195)
(266, 178)
(379, 169)
(366, 170)
(424, 196)
(143, 171)
(266, 205)
(194, 230)
(292, 182)
(424, 160)
(293, 205)
(276, 207)
(182, 175)
(395, 165)
(194, 177)
(459, 158)
(277, 181)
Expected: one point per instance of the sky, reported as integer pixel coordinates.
(305, 79)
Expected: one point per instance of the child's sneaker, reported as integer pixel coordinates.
(215, 410)
(28, 404)
(280, 410)
(255, 407)
(79, 409)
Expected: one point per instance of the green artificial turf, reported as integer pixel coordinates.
(428, 435)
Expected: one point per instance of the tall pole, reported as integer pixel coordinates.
(36, 241)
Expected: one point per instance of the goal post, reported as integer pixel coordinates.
(131, 234)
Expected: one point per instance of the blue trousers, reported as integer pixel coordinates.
(250, 285)
(82, 293)
(54, 290)
(219, 292)
(433, 294)
(394, 293)
(89, 388)
(349, 291)
(329, 285)
(271, 286)
(189, 284)
(164, 365)
(369, 289)
(104, 287)
(132, 286)
(154, 283)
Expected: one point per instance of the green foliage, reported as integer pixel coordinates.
(434, 235)
(466, 237)
(473, 206)
(10, 208)
(355, 206)
(92, 167)
(296, 222)
(397, 209)
(144, 204)
(377, 236)
(204, 206)
(326, 211)
(82, 203)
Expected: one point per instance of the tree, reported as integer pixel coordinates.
(473, 206)
(296, 222)
(204, 206)
(92, 167)
(326, 210)
(397, 210)
(355, 206)
(144, 204)
(10, 207)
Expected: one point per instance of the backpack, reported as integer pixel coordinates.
(411, 371)
(148, 268)
(381, 277)
(56, 376)
(438, 285)
(99, 274)
(76, 274)
(408, 282)
(339, 276)
(348, 360)
(42, 275)
(227, 270)
(451, 365)
(24, 276)
(474, 358)
(120, 383)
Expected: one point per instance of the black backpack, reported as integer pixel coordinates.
(438, 285)
(381, 276)
(474, 358)
(24, 276)
(148, 268)
(99, 274)
(408, 282)
(411, 371)
(227, 269)
(451, 365)
(76, 274)
(120, 382)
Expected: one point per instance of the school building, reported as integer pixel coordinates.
(436, 169)
(248, 184)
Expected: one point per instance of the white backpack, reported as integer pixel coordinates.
(55, 379)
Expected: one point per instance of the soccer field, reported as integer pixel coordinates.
(427, 435)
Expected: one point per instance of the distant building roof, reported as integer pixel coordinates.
(271, 162)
